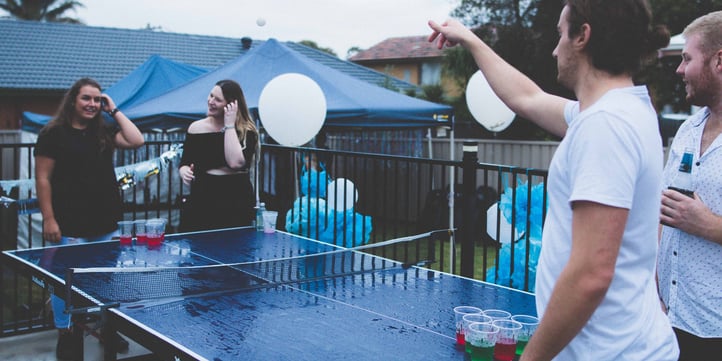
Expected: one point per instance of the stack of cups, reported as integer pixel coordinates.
(492, 334)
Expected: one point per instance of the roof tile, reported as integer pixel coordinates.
(42, 56)
(409, 47)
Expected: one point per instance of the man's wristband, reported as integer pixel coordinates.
(112, 112)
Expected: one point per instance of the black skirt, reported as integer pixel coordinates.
(218, 201)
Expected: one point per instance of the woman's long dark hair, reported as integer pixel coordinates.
(244, 123)
(66, 112)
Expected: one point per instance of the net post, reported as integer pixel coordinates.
(68, 290)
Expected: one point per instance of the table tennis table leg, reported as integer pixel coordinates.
(108, 332)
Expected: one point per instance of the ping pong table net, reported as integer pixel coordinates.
(197, 276)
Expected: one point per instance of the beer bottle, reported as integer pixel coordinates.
(682, 182)
(260, 208)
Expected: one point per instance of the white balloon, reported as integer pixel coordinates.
(485, 106)
(292, 108)
(504, 225)
(341, 194)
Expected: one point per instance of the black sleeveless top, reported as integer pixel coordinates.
(206, 151)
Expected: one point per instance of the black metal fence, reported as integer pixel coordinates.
(480, 220)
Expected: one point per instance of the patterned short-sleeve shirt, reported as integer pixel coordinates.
(690, 267)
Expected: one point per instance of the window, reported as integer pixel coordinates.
(430, 73)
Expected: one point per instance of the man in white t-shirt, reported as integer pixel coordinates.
(595, 284)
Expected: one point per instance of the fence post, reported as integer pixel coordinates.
(468, 204)
(8, 223)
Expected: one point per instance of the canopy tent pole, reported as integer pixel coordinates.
(452, 191)
(431, 154)
(255, 173)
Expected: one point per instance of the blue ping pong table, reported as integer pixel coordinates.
(342, 305)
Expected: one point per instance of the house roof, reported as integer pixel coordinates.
(49, 57)
(409, 47)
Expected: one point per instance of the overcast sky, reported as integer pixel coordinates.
(335, 24)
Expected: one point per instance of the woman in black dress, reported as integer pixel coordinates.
(217, 155)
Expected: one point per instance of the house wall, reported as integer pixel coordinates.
(397, 70)
(13, 106)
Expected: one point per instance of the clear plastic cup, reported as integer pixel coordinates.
(529, 324)
(155, 230)
(125, 231)
(459, 312)
(269, 221)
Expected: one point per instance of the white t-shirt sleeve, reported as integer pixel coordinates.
(571, 109)
(605, 161)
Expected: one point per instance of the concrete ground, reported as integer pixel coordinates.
(40, 346)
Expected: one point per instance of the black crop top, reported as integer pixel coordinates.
(205, 151)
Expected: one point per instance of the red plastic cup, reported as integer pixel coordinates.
(459, 312)
(505, 347)
(155, 232)
(125, 231)
(141, 238)
(154, 242)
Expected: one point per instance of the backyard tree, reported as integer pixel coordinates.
(521, 32)
(42, 10)
(524, 34)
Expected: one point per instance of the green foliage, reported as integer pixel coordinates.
(411, 92)
(524, 34)
(458, 65)
(666, 86)
(496, 12)
(677, 14)
(388, 83)
(312, 44)
(521, 32)
(353, 51)
(433, 93)
(41, 10)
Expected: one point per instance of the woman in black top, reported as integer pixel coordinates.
(75, 178)
(74, 170)
(217, 154)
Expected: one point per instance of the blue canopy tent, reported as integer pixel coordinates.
(351, 102)
(152, 78)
